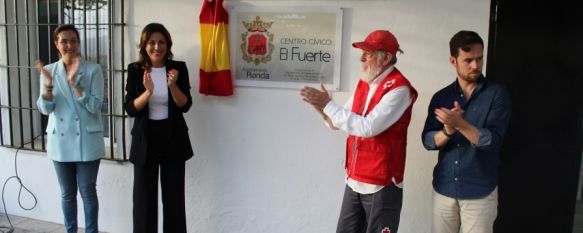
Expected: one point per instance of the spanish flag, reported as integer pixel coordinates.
(215, 67)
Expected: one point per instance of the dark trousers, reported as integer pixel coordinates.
(145, 197)
(371, 213)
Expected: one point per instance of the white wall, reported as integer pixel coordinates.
(264, 161)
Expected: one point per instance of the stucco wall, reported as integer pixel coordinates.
(264, 160)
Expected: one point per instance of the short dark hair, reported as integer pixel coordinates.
(62, 28)
(144, 59)
(463, 40)
(65, 27)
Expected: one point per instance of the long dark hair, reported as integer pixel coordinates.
(144, 59)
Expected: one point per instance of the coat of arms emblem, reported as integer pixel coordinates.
(257, 45)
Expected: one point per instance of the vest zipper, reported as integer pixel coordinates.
(354, 154)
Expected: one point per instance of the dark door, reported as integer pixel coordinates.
(536, 51)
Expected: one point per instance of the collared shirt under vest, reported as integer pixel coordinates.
(378, 159)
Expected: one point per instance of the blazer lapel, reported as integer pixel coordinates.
(170, 66)
(171, 104)
(81, 75)
(60, 81)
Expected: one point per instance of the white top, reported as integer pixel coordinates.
(388, 111)
(158, 104)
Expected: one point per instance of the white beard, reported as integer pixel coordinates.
(370, 73)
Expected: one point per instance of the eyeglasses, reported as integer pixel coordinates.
(374, 53)
(65, 41)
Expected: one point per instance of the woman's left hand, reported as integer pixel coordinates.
(72, 73)
(172, 76)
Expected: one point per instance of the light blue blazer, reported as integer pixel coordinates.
(75, 129)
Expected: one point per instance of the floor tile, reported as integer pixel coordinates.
(27, 225)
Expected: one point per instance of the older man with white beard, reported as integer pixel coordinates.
(376, 118)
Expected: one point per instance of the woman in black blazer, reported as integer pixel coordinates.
(157, 94)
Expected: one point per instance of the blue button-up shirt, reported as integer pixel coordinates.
(465, 170)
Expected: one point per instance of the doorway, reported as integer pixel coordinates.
(535, 52)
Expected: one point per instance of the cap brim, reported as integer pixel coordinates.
(363, 45)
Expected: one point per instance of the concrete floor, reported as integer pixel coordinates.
(578, 221)
(27, 225)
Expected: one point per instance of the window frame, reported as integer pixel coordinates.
(21, 124)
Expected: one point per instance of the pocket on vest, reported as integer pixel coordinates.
(372, 161)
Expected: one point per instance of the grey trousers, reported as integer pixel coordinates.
(371, 213)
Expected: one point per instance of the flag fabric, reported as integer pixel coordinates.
(215, 67)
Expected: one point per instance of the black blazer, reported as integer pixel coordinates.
(179, 146)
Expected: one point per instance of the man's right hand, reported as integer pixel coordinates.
(456, 108)
(317, 98)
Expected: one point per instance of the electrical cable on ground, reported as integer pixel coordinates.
(22, 186)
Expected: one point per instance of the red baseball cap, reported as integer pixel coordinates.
(379, 40)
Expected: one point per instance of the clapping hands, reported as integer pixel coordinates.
(450, 118)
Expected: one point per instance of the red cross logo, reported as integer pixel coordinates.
(385, 230)
(387, 85)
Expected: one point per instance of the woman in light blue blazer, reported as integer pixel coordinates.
(71, 93)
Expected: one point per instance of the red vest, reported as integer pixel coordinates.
(376, 160)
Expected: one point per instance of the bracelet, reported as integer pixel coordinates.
(445, 133)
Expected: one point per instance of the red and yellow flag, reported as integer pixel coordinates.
(215, 67)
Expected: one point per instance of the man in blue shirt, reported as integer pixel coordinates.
(466, 122)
